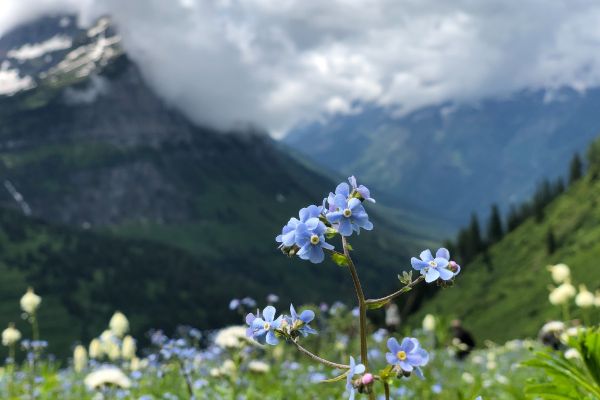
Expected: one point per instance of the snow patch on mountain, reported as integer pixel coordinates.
(32, 51)
(11, 82)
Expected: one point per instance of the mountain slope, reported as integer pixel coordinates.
(453, 160)
(504, 295)
(94, 153)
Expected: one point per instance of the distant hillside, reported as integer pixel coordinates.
(504, 294)
(452, 160)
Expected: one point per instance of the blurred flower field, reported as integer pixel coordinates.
(226, 364)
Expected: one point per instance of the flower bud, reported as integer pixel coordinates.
(128, 348)
(30, 301)
(367, 379)
(11, 335)
(560, 273)
(119, 324)
(95, 349)
(429, 323)
(585, 298)
(80, 358)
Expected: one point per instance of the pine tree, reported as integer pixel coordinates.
(512, 219)
(575, 169)
(475, 243)
(495, 231)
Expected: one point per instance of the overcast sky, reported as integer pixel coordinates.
(277, 63)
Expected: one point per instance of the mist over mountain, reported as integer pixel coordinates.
(458, 159)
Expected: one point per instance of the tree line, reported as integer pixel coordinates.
(475, 238)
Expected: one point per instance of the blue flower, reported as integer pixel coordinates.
(300, 322)
(433, 268)
(287, 238)
(263, 328)
(355, 369)
(408, 356)
(310, 237)
(349, 215)
(364, 192)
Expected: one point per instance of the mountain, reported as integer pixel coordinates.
(124, 199)
(452, 159)
(504, 294)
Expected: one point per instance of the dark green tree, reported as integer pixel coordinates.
(475, 242)
(575, 169)
(593, 157)
(513, 218)
(495, 230)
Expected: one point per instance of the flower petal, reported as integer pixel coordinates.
(426, 255)
(443, 253)
(431, 275)
(393, 345)
(418, 264)
(445, 274)
(271, 338)
(343, 189)
(269, 313)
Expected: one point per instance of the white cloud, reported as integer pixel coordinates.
(276, 63)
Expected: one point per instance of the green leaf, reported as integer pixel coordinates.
(387, 373)
(376, 305)
(340, 259)
(349, 246)
(406, 277)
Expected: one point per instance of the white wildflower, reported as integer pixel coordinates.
(106, 376)
(429, 323)
(260, 367)
(80, 358)
(561, 273)
(233, 337)
(128, 348)
(119, 324)
(30, 301)
(585, 298)
(10, 335)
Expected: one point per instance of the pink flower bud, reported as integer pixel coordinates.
(367, 378)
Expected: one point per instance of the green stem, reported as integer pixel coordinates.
(386, 389)
(566, 316)
(319, 359)
(392, 296)
(35, 327)
(186, 378)
(362, 309)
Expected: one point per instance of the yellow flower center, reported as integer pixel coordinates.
(314, 239)
(401, 355)
(267, 326)
(432, 264)
(347, 213)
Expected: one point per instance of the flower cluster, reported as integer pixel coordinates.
(265, 328)
(341, 212)
(438, 267)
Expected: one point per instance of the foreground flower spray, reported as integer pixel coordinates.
(310, 237)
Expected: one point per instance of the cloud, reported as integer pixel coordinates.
(277, 63)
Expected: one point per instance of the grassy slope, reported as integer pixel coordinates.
(507, 297)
